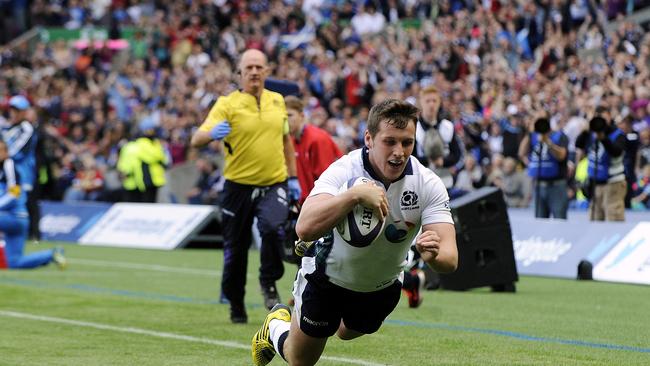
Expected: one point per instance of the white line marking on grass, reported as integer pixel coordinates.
(148, 267)
(153, 333)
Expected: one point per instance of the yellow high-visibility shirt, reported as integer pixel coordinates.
(126, 165)
(254, 148)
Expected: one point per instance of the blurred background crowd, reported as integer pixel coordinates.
(496, 63)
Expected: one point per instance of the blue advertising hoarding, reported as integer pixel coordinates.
(68, 222)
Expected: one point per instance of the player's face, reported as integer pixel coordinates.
(390, 149)
(253, 71)
(430, 103)
(295, 121)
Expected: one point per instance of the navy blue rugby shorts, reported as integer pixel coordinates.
(321, 305)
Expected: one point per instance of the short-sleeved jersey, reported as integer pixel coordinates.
(254, 147)
(418, 198)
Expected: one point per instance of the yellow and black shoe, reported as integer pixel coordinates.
(59, 259)
(262, 348)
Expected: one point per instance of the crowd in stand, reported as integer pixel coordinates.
(498, 64)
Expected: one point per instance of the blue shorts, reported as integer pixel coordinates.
(321, 305)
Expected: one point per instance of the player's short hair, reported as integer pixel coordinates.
(293, 102)
(395, 112)
(429, 89)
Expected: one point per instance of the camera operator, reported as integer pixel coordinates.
(604, 145)
(545, 153)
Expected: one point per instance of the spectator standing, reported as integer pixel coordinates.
(632, 144)
(604, 146)
(152, 160)
(545, 153)
(514, 184)
(453, 151)
(127, 164)
(252, 123)
(315, 149)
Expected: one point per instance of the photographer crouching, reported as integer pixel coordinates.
(545, 153)
(604, 145)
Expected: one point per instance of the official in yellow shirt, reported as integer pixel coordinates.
(260, 172)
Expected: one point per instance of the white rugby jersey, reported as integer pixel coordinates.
(418, 198)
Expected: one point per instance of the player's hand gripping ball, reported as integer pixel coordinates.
(362, 225)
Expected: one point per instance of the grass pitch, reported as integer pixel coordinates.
(139, 307)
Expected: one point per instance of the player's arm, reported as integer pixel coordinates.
(320, 213)
(289, 155)
(214, 126)
(437, 246)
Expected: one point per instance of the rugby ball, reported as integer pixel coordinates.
(361, 226)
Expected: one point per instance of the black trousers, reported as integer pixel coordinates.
(148, 196)
(34, 212)
(240, 204)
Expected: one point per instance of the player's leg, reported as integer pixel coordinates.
(272, 210)
(315, 318)
(237, 218)
(413, 286)
(596, 208)
(15, 231)
(558, 200)
(364, 313)
(300, 348)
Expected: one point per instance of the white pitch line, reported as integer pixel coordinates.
(152, 333)
(148, 267)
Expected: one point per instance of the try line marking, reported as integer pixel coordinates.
(147, 267)
(152, 333)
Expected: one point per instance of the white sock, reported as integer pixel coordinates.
(277, 328)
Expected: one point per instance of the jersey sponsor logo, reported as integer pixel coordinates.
(446, 204)
(409, 200)
(398, 231)
(395, 235)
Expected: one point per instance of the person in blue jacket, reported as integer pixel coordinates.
(545, 152)
(14, 220)
(21, 139)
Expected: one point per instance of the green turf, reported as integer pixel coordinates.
(547, 322)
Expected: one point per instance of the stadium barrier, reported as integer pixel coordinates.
(68, 222)
(613, 251)
(617, 251)
(132, 225)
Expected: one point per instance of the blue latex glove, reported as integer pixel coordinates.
(220, 131)
(294, 189)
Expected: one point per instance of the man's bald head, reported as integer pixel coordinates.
(253, 70)
(252, 54)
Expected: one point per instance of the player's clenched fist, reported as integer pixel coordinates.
(372, 196)
(428, 242)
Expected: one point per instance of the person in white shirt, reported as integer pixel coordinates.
(368, 21)
(349, 290)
